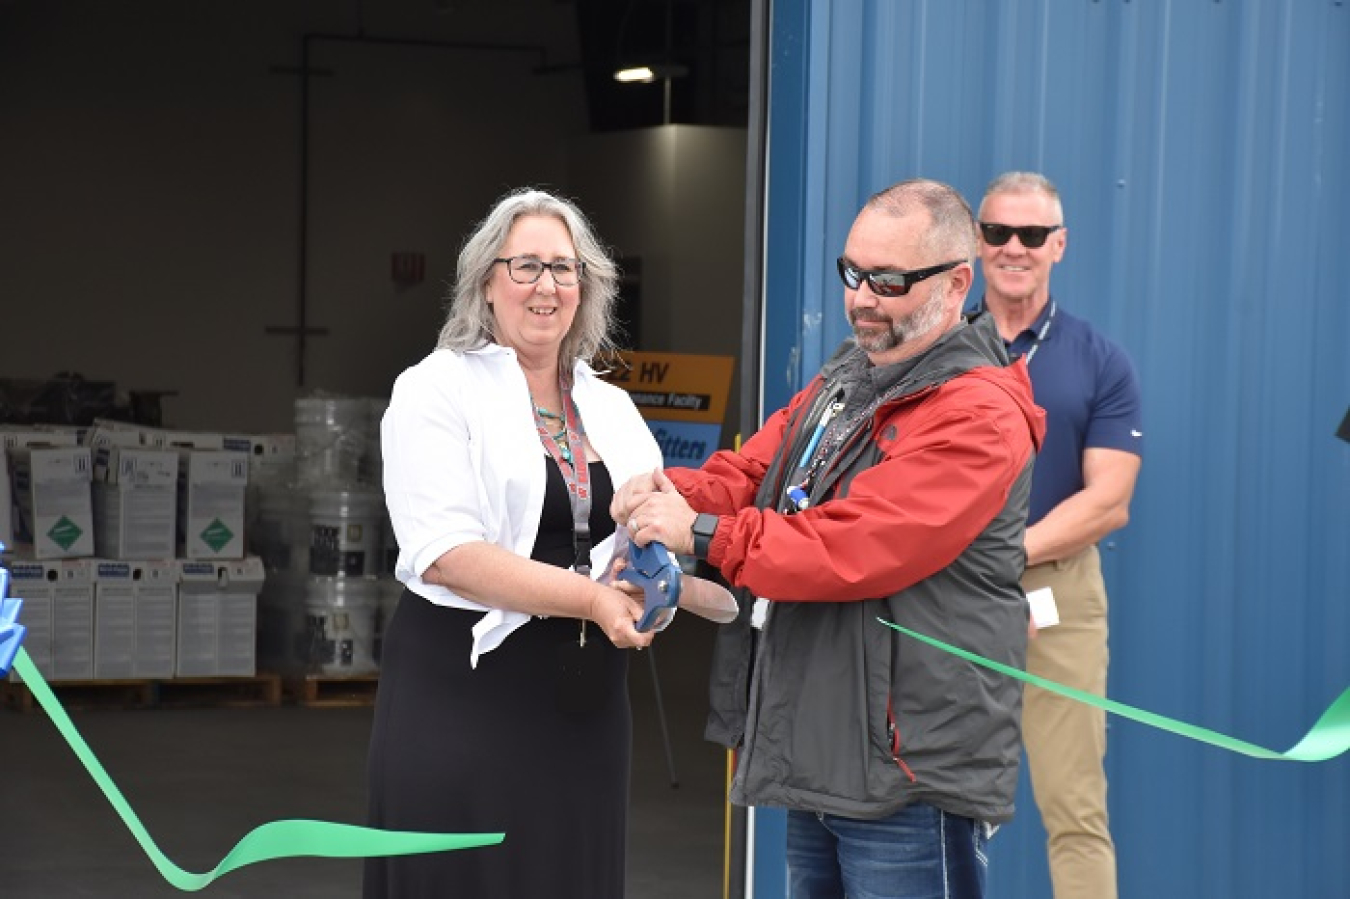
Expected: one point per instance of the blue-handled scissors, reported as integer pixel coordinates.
(653, 569)
(11, 632)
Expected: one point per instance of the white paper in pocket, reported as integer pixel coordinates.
(1044, 612)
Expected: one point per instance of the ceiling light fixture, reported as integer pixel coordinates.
(649, 73)
(663, 71)
(635, 75)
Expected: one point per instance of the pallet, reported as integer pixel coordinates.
(260, 690)
(146, 693)
(332, 690)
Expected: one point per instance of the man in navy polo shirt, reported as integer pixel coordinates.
(1081, 488)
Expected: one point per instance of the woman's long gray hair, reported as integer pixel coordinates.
(469, 324)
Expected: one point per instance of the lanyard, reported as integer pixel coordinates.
(1045, 329)
(836, 434)
(798, 493)
(835, 407)
(576, 474)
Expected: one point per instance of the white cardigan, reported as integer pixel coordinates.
(461, 463)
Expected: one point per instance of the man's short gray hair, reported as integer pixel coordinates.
(951, 234)
(1027, 183)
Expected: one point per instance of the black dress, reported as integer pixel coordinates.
(535, 742)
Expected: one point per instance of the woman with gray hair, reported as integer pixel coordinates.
(503, 702)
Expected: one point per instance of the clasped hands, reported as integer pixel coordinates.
(652, 509)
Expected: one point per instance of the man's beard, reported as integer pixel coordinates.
(910, 327)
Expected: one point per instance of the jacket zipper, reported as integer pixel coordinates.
(893, 735)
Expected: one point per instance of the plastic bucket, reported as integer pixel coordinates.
(332, 434)
(345, 532)
(371, 467)
(340, 624)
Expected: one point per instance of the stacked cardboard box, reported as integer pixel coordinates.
(135, 502)
(218, 617)
(53, 513)
(58, 610)
(135, 618)
(212, 485)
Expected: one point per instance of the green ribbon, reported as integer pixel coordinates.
(273, 840)
(1329, 737)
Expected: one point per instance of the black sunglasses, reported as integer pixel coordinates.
(1032, 236)
(889, 284)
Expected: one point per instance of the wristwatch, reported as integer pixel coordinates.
(705, 525)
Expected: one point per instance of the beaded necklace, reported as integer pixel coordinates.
(560, 437)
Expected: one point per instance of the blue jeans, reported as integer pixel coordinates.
(920, 852)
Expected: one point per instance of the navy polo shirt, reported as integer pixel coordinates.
(1088, 388)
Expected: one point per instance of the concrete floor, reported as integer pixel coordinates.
(199, 779)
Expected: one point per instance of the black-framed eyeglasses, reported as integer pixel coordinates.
(529, 269)
(1033, 237)
(889, 284)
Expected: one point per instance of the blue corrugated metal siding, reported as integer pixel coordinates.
(1201, 147)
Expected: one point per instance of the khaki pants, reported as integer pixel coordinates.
(1066, 740)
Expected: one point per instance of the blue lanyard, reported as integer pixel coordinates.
(830, 411)
(798, 494)
(1045, 329)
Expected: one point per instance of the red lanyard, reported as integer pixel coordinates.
(576, 474)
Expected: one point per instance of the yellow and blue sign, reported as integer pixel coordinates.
(683, 397)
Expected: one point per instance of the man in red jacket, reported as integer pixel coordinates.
(895, 485)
